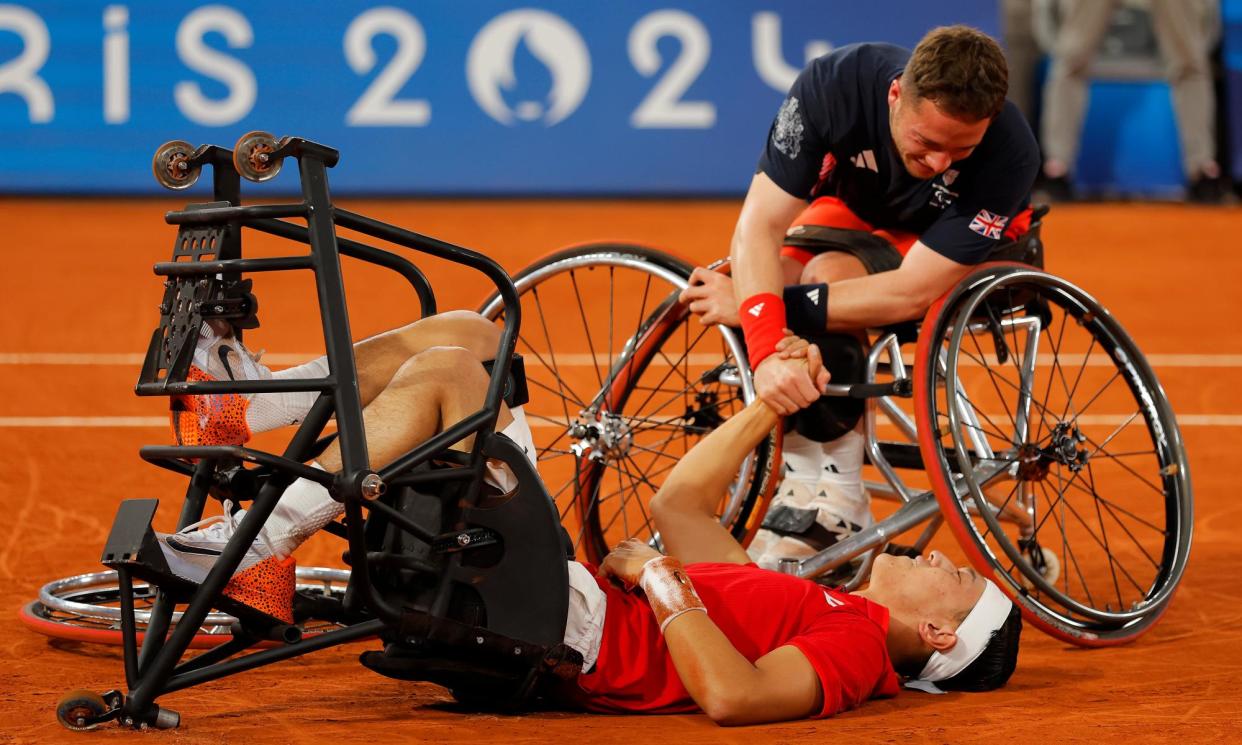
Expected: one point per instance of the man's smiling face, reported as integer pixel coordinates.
(927, 139)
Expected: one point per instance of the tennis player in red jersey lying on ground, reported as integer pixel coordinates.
(701, 628)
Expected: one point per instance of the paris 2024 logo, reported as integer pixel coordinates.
(549, 40)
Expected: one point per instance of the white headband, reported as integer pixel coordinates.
(973, 635)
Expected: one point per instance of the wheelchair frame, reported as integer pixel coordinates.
(203, 283)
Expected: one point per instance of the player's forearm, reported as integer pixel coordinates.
(711, 465)
(720, 680)
(874, 300)
(755, 258)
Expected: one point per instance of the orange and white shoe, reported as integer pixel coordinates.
(264, 580)
(216, 418)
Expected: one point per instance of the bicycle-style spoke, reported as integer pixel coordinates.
(556, 371)
(573, 278)
(1000, 509)
(1069, 398)
(1100, 449)
(638, 328)
(673, 366)
(1056, 361)
(555, 392)
(1073, 559)
(1114, 506)
(1083, 411)
(1113, 566)
(982, 360)
(1101, 502)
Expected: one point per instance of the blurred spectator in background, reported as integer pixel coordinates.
(1023, 50)
(1185, 32)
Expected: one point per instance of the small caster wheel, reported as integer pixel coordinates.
(76, 708)
(1047, 563)
(173, 166)
(252, 157)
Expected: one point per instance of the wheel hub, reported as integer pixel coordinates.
(1065, 448)
(601, 436)
(704, 416)
(1066, 442)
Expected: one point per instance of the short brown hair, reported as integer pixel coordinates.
(960, 69)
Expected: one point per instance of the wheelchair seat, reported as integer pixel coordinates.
(484, 602)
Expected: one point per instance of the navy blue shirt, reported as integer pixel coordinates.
(831, 137)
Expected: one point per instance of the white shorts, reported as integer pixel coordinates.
(498, 475)
(584, 626)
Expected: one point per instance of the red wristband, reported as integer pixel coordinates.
(763, 323)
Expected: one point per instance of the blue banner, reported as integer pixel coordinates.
(436, 97)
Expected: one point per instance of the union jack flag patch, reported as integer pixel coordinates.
(989, 225)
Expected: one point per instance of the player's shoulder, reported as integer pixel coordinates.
(1010, 139)
(863, 60)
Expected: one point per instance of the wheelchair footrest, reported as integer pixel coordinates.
(132, 546)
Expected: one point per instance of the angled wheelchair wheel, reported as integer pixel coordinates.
(173, 165)
(87, 608)
(252, 156)
(1054, 454)
(624, 381)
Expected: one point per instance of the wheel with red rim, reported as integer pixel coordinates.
(624, 381)
(1054, 453)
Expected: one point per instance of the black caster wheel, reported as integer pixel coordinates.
(252, 156)
(174, 167)
(77, 710)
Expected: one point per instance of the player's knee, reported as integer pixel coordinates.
(472, 331)
(831, 417)
(440, 366)
(833, 266)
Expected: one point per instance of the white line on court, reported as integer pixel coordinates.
(1185, 420)
(583, 359)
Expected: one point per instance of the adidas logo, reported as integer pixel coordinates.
(756, 310)
(813, 296)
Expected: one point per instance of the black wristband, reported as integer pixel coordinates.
(806, 308)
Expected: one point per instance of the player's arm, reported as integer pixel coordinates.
(757, 284)
(754, 253)
(728, 687)
(684, 508)
(732, 690)
(901, 294)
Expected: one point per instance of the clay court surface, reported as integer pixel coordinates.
(79, 303)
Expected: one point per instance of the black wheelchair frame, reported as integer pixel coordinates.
(430, 574)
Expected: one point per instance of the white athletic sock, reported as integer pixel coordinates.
(269, 411)
(841, 478)
(803, 458)
(304, 508)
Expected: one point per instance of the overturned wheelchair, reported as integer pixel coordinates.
(432, 574)
(1026, 418)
